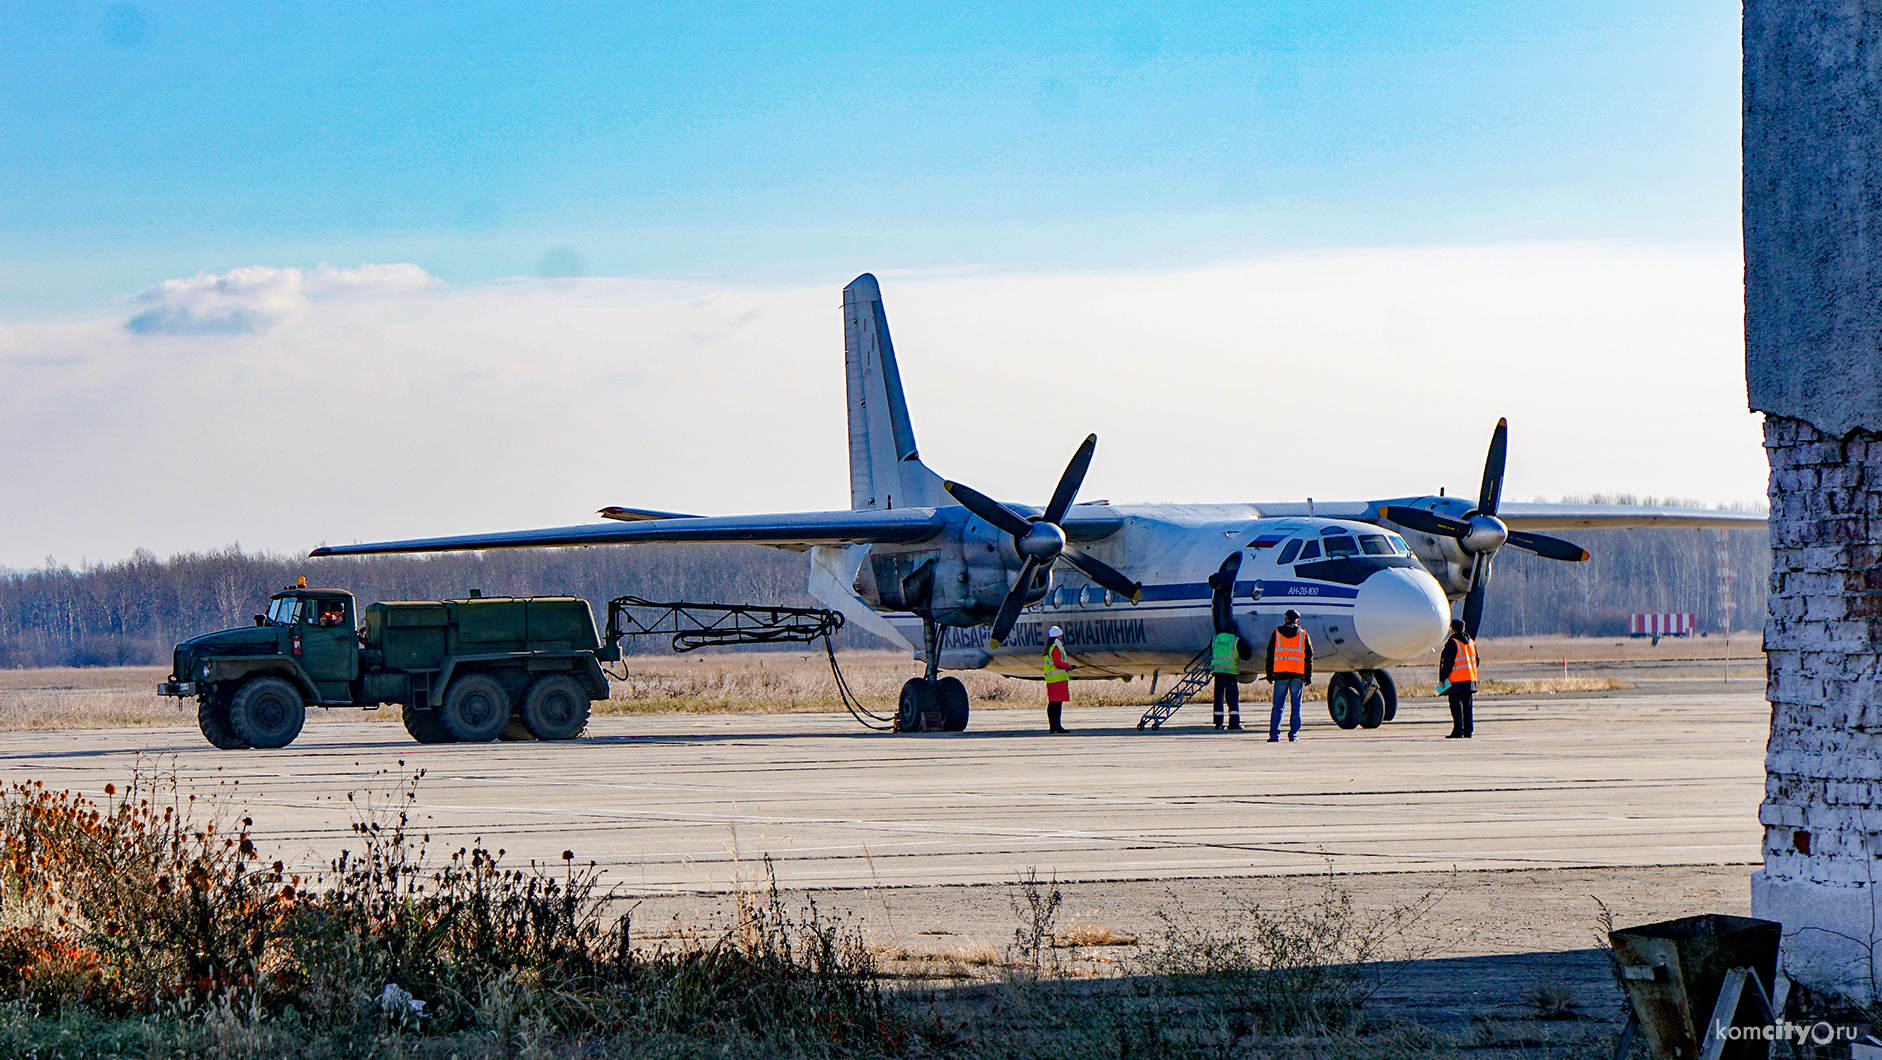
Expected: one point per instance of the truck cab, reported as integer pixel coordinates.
(465, 670)
(317, 630)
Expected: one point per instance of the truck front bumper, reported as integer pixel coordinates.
(177, 688)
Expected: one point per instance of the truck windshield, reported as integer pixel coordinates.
(285, 611)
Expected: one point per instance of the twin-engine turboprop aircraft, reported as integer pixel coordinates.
(967, 582)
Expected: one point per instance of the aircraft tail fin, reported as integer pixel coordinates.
(885, 469)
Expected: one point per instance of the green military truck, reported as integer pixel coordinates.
(460, 670)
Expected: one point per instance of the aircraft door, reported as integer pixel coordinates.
(1221, 600)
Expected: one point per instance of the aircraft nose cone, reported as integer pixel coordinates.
(1400, 613)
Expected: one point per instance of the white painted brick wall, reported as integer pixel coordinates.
(1822, 812)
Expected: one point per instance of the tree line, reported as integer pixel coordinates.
(134, 611)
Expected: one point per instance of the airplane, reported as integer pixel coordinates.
(967, 582)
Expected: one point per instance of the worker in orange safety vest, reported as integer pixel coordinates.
(1058, 679)
(1290, 667)
(1457, 678)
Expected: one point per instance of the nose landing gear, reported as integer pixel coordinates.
(1362, 698)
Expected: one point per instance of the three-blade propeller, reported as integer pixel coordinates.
(1480, 532)
(1041, 541)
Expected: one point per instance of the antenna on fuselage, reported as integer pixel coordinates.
(1310, 507)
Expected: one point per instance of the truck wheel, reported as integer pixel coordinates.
(556, 708)
(475, 709)
(212, 717)
(267, 712)
(424, 726)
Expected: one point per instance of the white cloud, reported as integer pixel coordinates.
(255, 299)
(366, 413)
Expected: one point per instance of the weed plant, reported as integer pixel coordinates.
(143, 924)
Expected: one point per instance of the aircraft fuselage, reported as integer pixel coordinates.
(1364, 598)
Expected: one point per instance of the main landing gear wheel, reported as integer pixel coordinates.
(918, 696)
(267, 712)
(950, 696)
(212, 717)
(1343, 700)
(475, 709)
(424, 726)
(555, 708)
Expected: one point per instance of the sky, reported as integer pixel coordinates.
(281, 276)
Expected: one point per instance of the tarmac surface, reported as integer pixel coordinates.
(692, 804)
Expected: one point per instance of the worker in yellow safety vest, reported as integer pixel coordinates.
(1290, 667)
(1226, 651)
(1058, 677)
(1457, 678)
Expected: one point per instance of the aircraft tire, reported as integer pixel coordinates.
(917, 699)
(212, 717)
(951, 696)
(1389, 689)
(424, 726)
(267, 712)
(1371, 708)
(1343, 700)
(475, 709)
(555, 708)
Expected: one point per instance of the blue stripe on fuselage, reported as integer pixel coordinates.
(1290, 589)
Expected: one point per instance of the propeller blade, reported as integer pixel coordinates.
(1010, 607)
(1069, 482)
(1548, 547)
(1473, 603)
(989, 509)
(1492, 492)
(1104, 574)
(1426, 522)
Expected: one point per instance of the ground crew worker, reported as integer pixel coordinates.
(1457, 675)
(1226, 651)
(1058, 680)
(1290, 667)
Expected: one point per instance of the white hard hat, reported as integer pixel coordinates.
(1055, 632)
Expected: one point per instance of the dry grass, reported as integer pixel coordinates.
(1093, 934)
(112, 697)
(791, 682)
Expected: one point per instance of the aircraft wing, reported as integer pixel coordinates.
(1542, 516)
(789, 530)
(1622, 516)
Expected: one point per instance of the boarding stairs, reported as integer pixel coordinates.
(1194, 679)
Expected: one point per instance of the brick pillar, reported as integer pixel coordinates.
(1822, 811)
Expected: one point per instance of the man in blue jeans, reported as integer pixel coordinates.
(1290, 667)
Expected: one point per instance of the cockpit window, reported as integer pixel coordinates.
(285, 610)
(1341, 546)
(1288, 553)
(1375, 545)
(1311, 550)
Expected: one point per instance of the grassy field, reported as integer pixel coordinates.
(778, 682)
